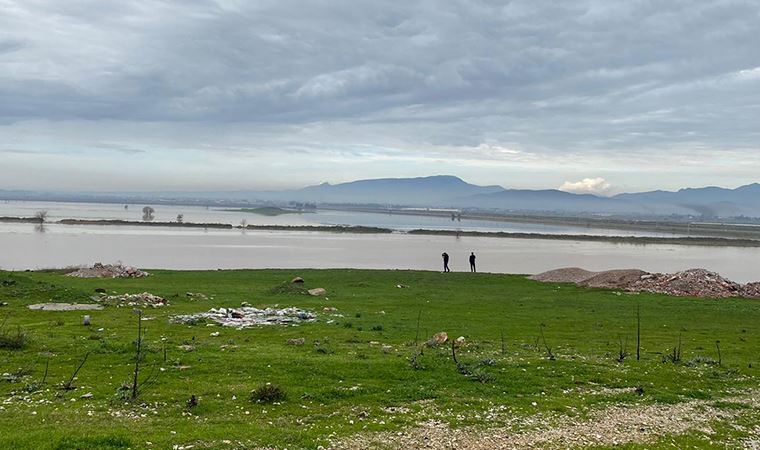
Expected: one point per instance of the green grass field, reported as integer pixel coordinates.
(353, 380)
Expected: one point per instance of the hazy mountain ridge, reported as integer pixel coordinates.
(447, 191)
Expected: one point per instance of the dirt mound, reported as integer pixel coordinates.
(614, 279)
(692, 282)
(108, 271)
(564, 275)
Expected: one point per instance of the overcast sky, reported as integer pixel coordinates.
(592, 95)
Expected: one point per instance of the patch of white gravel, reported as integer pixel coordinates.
(611, 426)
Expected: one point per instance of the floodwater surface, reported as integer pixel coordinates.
(22, 246)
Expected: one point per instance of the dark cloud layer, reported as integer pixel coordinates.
(597, 78)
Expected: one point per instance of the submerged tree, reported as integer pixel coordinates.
(148, 214)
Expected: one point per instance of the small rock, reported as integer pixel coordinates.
(437, 339)
(329, 309)
(245, 305)
(214, 334)
(317, 292)
(297, 280)
(459, 342)
(387, 349)
(297, 341)
(186, 348)
(87, 395)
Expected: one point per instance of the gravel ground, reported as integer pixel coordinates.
(612, 426)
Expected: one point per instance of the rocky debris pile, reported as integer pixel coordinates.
(108, 271)
(692, 282)
(144, 300)
(751, 290)
(246, 317)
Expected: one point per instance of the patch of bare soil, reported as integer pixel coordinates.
(616, 425)
(64, 307)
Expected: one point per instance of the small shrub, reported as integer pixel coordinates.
(268, 393)
(348, 325)
(323, 347)
(10, 340)
(700, 360)
(287, 288)
(481, 376)
(377, 328)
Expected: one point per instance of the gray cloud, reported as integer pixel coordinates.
(432, 80)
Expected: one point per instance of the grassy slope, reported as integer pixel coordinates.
(345, 390)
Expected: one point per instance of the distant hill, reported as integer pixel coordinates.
(452, 192)
(423, 191)
(707, 202)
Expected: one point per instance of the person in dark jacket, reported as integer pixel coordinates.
(445, 257)
(472, 262)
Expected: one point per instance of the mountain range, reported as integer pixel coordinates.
(444, 191)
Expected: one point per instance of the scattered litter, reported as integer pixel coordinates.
(249, 317)
(99, 270)
(65, 306)
(145, 299)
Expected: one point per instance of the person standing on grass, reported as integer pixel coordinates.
(472, 262)
(445, 257)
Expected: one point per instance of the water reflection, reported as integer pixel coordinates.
(24, 247)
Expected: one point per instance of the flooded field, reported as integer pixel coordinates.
(23, 247)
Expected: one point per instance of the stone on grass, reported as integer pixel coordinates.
(317, 292)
